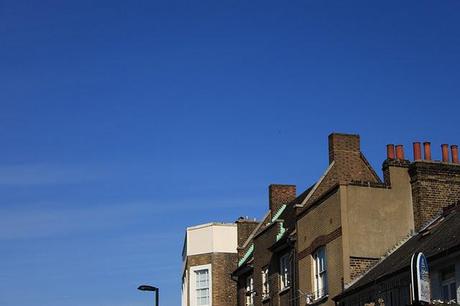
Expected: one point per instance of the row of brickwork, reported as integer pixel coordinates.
(359, 265)
(434, 185)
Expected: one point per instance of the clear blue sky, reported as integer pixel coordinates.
(123, 122)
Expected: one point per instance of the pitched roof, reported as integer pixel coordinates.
(439, 237)
(354, 168)
(285, 213)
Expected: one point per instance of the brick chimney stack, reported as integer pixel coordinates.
(245, 227)
(343, 145)
(280, 194)
(435, 185)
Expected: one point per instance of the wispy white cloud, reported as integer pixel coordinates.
(41, 174)
(40, 220)
(36, 222)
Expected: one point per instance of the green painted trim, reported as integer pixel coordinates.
(246, 255)
(281, 232)
(278, 213)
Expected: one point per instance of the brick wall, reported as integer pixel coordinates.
(224, 292)
(350, 163)
(196, 260)
(241, 291)
(359, 265)
(244, 227)
(434, 185)
(223, 287)
(264, 257)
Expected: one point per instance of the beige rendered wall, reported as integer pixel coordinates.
(334, 272)
(378, 218)
(225, 238)
(211, 238)
(312, 229)
(374, 220)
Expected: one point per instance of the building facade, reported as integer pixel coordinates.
(349, 219)
(312, 246)
(267, 263)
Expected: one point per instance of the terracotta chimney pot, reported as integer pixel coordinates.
(427, 149)
(390, 151)
(417, 151)
(454, 150)
(445, 152)
(399, 152)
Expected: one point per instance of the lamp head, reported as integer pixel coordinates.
(147, 288)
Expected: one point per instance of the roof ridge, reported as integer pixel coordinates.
(368, 165)
(312, 191)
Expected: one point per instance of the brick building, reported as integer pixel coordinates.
(209, 256)
(310, 247)
(351, 218)
(267, 265)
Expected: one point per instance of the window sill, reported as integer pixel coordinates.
(320, 300)
(265, 299)
(284, 290)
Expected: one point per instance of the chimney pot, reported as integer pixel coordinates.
(427, 150)
(445, 152)
(399, 152)
(454, 150)
(417, 151)
(390, 151)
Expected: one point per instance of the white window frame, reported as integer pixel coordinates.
(250, 293)
(192, 283)
(265, 283)
(202, 287)
(320, 273)
(285, 272)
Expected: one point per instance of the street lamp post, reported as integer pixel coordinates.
(151, 288)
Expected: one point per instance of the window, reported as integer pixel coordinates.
(202, 287)
(265, 284)
(448, 284)
(250, 291)
(320, 270)
(285, 271)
